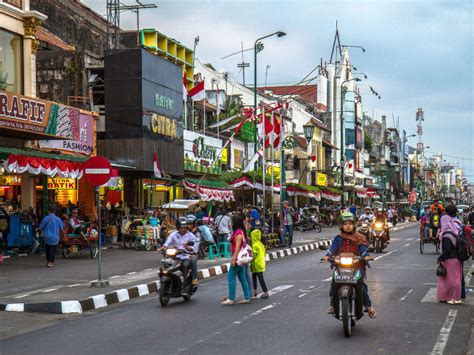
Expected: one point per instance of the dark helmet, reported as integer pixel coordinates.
(346, 216)
(181, 222)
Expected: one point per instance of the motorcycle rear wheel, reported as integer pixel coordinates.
(317, 227)
(346, 320)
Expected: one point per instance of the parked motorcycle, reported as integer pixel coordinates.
(172, 280)
(378, 240)
(347, 283)
(308, 222)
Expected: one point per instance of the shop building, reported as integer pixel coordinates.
(144, 115)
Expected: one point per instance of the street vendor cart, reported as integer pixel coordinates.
(177, 209)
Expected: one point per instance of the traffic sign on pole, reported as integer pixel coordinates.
(97, 171)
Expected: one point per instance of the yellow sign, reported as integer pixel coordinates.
(237, 159)
(61, 184)
(163, 125)
(224, 156)
(64, 196)
(276, 171)
(10, 180)
(322, 179)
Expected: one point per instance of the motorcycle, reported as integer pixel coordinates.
(347, 279)
(379, 238)
(308, 222)
(365, 229)
(172, 280)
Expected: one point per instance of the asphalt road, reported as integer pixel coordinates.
(292, 321)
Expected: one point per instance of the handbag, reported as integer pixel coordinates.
(440, 270)
(245, 255)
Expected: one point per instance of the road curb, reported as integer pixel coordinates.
(122, 295)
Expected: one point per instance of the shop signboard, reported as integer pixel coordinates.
(200, 153)
(10, 180)
(38, 117)
(84, 145)
(238, 154)
(247, 132)
(322, 179)
(62, 184)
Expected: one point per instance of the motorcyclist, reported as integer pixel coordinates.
(349, 240)
(367, 214)
(192, 228)
(470, 217)
(380, 218)
(180, 239)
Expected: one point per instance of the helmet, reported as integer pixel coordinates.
(346, 216)
(182, 222)
(191, 219)
(367, 208)
(380, 209)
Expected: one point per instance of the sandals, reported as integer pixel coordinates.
(330, 310)
(227, 302)
(245, 302)
(264, 296)
(371, 312)
(454, 302)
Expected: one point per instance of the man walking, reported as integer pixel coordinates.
(51, 228)
(288, 216)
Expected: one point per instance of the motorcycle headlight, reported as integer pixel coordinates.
(346, 260)
(170, 252)
(378, 225)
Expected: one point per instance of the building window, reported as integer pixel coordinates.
(11, 62)
(17, 3)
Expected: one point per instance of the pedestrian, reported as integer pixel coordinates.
(450, 284)
(257, 266)
(254, 216)
(223, 227)
(288, 217)
(51, 228)
(237, 241)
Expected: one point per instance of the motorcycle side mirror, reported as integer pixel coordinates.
(323, 247)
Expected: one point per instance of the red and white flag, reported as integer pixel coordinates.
(277, 128)
(185, 87)
(156, 167)
(198, 93)
(253, 160)
(268, 130)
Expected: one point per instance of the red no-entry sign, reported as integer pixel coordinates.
(97, 170)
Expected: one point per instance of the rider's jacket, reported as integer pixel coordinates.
(341, 245)
(179, 242)
(364, 216)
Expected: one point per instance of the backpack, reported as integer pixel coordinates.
(463, 246)
(436, 220)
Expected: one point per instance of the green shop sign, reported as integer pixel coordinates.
(247, 132)
(163, 102)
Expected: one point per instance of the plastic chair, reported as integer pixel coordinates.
(213, 251)
(225, 250)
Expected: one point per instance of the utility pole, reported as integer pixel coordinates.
(243, 65)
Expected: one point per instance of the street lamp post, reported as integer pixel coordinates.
(343, 94)
(258, 46)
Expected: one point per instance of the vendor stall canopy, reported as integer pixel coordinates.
(181, 204)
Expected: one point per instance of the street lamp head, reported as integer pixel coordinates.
(357, 79)
(308, 131)
(281, 34)
(363, 49)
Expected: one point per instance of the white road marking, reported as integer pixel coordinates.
(409, 239)
(328, 279)
(73, 285)
(406, 245)
(114, 277)
(442, 340)
(303, 294)
(279, 289)
(131, 273)
(406, 295)
(148, 269)
(22, 296)
(50, 290)
(381, 256)
(430, 295)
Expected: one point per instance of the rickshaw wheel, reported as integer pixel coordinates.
(65, 252)
(148, 246)
(94, 250)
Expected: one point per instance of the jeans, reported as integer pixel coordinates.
(234, 272)
(185, 264)
(194, 266)
(426, 232)
(287, 229)
(261, 280)
(50, 252)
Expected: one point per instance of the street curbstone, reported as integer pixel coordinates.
(111, 298)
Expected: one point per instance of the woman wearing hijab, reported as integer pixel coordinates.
(449, 285)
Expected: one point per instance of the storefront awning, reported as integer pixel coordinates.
(244, 183)
(210, 190)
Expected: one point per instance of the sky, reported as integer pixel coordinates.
(418, 53)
